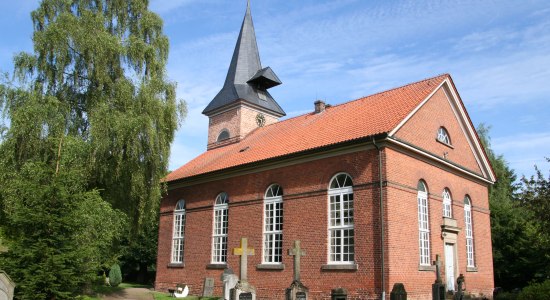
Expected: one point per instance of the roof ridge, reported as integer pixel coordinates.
(364, 97)
(393, 89)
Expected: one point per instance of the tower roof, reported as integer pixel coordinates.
(246, 79)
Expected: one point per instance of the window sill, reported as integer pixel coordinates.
(176, 265)
(216, 266)
(270, 267)
(443, 143)
(426, 268)
(471, 269)
(339, 267)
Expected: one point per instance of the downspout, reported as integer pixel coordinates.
(383, 267)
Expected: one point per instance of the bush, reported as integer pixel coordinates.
(115, 275)
(536, 291)
(506, 296)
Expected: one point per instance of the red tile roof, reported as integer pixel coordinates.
(368, 116)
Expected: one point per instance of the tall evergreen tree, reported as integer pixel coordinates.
(91, 118)
(516, 259)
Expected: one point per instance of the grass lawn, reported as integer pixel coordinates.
(101, 290)
(165, 296)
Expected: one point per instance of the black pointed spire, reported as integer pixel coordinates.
(246, 79)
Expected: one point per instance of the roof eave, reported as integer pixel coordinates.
(379, 137)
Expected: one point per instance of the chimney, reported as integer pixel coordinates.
(319, 106)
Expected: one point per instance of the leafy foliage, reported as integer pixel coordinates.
(536, 291)
(104, 62)
(115, 275)
(139, 254)
(58, 233)
(517, 247)
(88, 128)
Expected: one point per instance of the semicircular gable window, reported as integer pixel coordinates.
(443, 136)
(224, 135)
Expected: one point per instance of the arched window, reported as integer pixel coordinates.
(443, 136)
(219, 236)
(224, 135)
(340, 225)
(469, 231)
(273, 225)
(423, 224)
(179, 232)
(447, 204)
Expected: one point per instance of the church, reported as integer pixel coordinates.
(389, 188)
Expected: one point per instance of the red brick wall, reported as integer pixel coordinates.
(421, 130)
(403, 174)
(305, 218)
(239, 121)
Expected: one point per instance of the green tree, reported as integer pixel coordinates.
(58, 232)
(535, 198)
(91, 118)
(516, 259)
(104, 61)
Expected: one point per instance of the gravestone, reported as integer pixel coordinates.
(229, 280)
(208, 288)
(6, 286)
(459, 295)
(297, 290)
(243, 290)
(398, 292)
(438, 288)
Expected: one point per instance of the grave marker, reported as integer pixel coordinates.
(6, 286)
(297, 291)
(208, 289)
(438, 288)
(243, 290)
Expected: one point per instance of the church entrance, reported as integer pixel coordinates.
(450, 266)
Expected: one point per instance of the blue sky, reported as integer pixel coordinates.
(498, 53)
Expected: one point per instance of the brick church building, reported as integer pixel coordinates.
(374, 189)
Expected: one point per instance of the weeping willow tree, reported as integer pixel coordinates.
(90, 120)
(104, 61)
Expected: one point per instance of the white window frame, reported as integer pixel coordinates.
(469, 232)
(178, 233)
(341, 232)
(447, 203)
(273, 226)
(443, 136)
(423, 224)
(219, 229)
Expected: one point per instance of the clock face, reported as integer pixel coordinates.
(260, 120)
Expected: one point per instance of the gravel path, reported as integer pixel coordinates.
(131, 294)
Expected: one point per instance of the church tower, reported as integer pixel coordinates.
(243, 104)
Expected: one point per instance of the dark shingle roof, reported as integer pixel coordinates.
(246, 75)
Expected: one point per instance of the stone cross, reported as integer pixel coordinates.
(297, 252)
(437, 264)
(243, 251)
